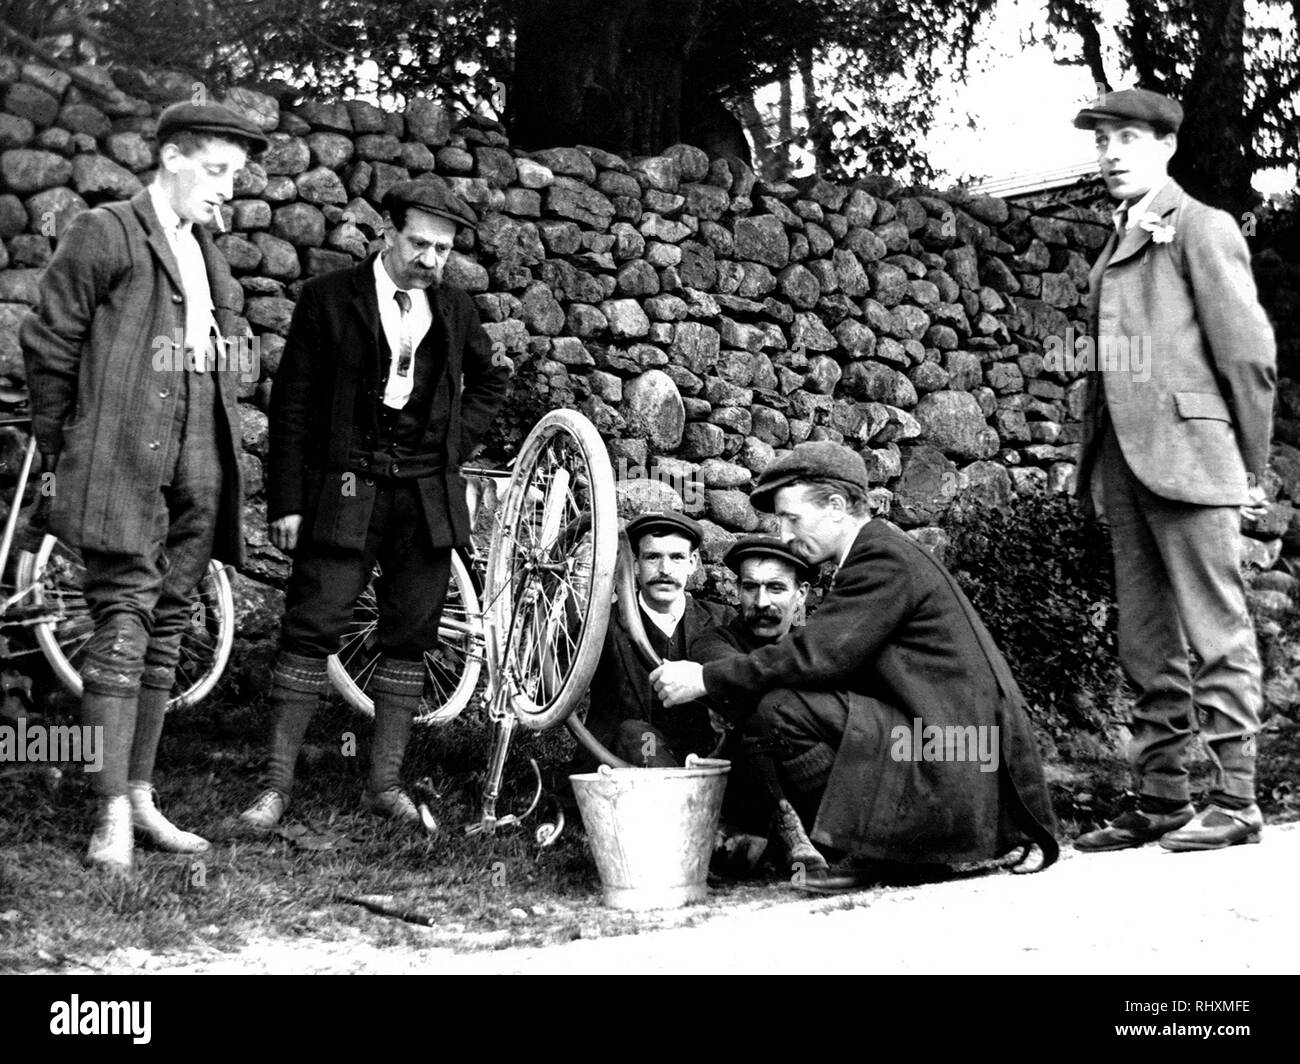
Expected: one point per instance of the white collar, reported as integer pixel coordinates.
(668, 620)
(172, 223)
(1139, 208)
(385, 286)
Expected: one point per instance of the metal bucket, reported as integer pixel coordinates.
(651, 830)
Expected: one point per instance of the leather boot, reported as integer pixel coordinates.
(110, 844)
(149, 822)
(788, 832)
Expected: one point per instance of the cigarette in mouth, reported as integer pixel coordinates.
(216, 217)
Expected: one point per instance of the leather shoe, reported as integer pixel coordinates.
(392, 804)
(1134, 828)
(266, 811)
(1215, 828)
(844, 878)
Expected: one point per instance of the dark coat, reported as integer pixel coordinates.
(621, 688)
(325, 408)
(102, 379)
(897, 632)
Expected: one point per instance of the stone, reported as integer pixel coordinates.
(270, 312)
(130, 150)
(97, 177)
(928, 485)
(15, 132)
(242, 255)
(637, 278)
(285, 155)
(251, 180)
(279, 257)
(695, 346)
(762, 239)
(809, 333)
(571, 199)
(953, 422)
(25, 170)
(34, 104)
(874, 382)
(329, 150)
(299, 223)
(626, 318)
(654, 410)
(320, 261)
(731, 509)
(320, 186)
(49, 213)
(568, 162)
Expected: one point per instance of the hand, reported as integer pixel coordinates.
(1256, 507)
(284, 531)
(676, 682)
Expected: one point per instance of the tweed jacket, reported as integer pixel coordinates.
(100, 351)
(1195, 423)
(897, 633)
(325, 408)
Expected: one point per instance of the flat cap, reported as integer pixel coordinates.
(433, 195)
(664, 523)
(761, 546)
(211, 118)
(815, 460)
(1141, 105)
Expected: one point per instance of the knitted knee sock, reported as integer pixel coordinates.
(114, 715)
(299, 682)
(148, 731)
(396, 688)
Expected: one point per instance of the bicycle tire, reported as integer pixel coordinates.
(459, 653)
(56, 575)
(551, 569)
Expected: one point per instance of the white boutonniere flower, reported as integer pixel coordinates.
(1160, 233)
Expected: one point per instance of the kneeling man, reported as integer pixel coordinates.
(895, 653)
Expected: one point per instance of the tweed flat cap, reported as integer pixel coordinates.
(760, 546)
(664, 523)
(210, 118)
(433, 195)
(815, 460)
(1141, 105)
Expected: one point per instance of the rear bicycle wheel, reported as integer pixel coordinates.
(56, 575)
(551, 570)
(452, 668)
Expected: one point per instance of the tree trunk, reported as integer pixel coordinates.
(608, 73)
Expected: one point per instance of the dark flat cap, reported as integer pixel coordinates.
(433, 195)
(664, 523)
(815, 460)
(1141, 105)
(210, 118)
(760, 546)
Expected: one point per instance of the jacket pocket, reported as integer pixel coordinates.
(1202, 405)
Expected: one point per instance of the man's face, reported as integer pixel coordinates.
(198, 184)
(816, 532)
(1132, 157)
(770, 596)
(663, 565)
(416, 255)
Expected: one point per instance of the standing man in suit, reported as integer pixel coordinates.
(625, 716)
(871, 712)
(138, 423)
(1175, 449)
(387, 382)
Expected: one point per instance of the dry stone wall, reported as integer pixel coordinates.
(704, 319)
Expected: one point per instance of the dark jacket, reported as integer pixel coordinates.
(621, 688)
(325, 409)
(102, 378)
(896, 630)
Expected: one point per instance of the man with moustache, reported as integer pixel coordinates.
(772, 585)
(625, 716)
(387, 382)
(134, 410)
(894, 644)
(1174, 457)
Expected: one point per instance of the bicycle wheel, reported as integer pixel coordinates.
(551, 570)
(56, 575)
(452, 668)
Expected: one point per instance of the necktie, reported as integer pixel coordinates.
(404, 343)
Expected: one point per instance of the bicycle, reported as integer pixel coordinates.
(46, 597)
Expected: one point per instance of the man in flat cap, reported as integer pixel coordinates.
(387, 382)
(1174, 452)
(772, 584)
(134, 412)
(894, 723)
(625, 716)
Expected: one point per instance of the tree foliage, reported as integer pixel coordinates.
(627, 75)
(1234, 66)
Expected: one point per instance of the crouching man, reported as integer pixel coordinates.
(895, 653)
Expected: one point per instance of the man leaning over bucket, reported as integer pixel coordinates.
(893, 650)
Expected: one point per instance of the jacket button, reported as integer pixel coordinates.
(163, 394)
(396, 469)
(155, 444)
(365, 463)
(177, 298)
(369, 483)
